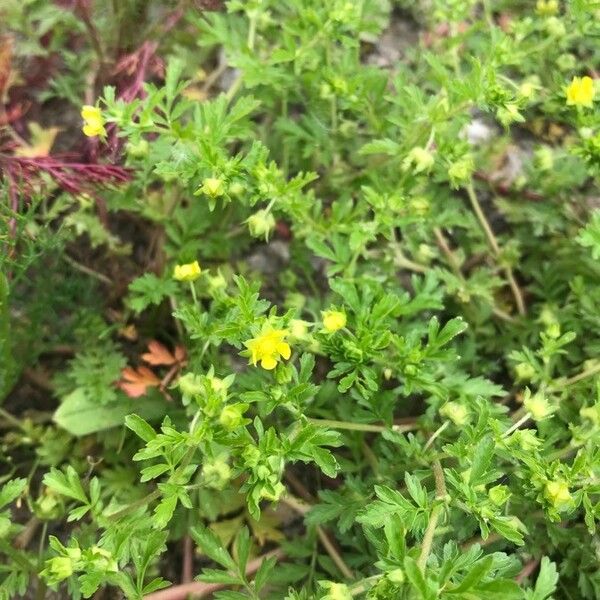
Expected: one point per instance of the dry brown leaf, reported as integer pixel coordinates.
(158, 355)
(135, 382)
(41, 141)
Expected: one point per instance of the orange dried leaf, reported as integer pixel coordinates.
(180, 353)
(158, 355)
(135, 382)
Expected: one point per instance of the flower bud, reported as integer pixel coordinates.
(216, 473)
(546, 8)
(139, 149)
(212, 187)
(419, 206)
(299, 329)
(499, 494)
(236, 189)
(456, 412)
(261, 224)
(335, 591)
(592, 413)
(187, 272)
(251, 455)
(231, 416)
(103, 560)
(508, 114)
(57, 569)
(274, 494)
(524, 371)
(538, 406)
(460, 172)
(191, 384)
(557, 493)
(396, 576)
(333, 320)
(419, 160)
(527, 90)
(555, 27)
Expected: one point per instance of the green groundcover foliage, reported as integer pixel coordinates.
(300, 299)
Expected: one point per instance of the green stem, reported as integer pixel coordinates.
(194, 296)
(440, 494)
(135, 505)
(493, 242)
(362, 426)
(589, 372)
(518, 424)
(436, 434)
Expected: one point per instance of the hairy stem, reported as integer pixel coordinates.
(493, 242)
(440, 495)
(362, 426)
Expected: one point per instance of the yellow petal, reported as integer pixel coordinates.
(90, 112)
(268, 362)
(93, 130)
(284, 349)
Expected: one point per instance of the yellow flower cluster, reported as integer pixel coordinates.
(93, 122)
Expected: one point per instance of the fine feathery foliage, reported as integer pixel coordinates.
(299, 299)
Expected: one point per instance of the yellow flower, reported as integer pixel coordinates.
(188, 272)
(93, 121)
(268, 348)
(581, 92)
(333, 320)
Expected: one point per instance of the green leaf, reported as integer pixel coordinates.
(416, 579)
(450, 330)
(326, 461)
(11, 491)
(242, 548)
(474, 576)
(482, 458)
(164, 510)
(384, 146)
(149, 289)
(264, 572)
(80, 415)
(218, 576)
(66, 484)
(508, 527)
(153, 472)
(546, 581)
(140, 427)
(211, 545)
(8, 368)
